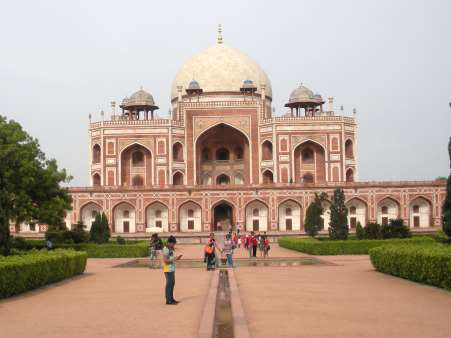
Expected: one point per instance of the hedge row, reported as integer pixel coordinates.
(110, 250)
(20, 273)
(347, 247)
(428, 263)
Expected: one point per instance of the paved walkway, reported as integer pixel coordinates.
(108, 302)
(346, 300)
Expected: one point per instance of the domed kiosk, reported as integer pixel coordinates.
(140, 101)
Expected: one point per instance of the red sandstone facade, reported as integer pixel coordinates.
(223, 158)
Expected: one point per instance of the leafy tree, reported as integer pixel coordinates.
(359, 232)
(313, 220)
(100, 231)
(30, 183)
(338, 227)
(79, 234)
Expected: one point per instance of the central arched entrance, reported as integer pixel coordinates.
(222, 217)
(222, 156)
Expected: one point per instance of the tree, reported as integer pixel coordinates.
(446, 210)
(359, 232)
(30, 183)
(313, 220)
(338, 227)
(100, 231)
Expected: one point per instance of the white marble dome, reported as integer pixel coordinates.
(221, 69)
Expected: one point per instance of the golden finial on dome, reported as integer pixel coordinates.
(219, 34)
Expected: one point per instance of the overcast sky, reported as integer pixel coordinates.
(61, 60)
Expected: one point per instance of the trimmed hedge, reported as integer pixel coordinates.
(23, 272)
(347, 247)
(427, 263)
(110, 250)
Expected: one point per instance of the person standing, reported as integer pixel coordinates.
(210, 257)
(228, 250)
(267, 247)
(254, 244)
(156, 245)
(169, 269)
(249, 243)
(261, 245)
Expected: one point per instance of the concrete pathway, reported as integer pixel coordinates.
(350, 299)
(108, 302)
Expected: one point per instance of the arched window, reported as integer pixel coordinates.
(239, 179)
(416, 209)
(288, 211)
(239, 153)
(96, 180)
(307, 155)
(96, 154)
(177, 152)
(177, 179)
(206, 154)
(137, 181)
(268, 177)
(267, 151)
(137, 158)
(384, 210)
(126, 214)
(158, 213)
(223, 179)
(94, 213)
(110, 148)
(190, 213)
(350, 175)
(349, 151)
(222, 154)
(206, 179)
(352, 210)
(308, 178)
(255, 212)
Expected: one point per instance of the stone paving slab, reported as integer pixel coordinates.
(108, 302)
(349, 299)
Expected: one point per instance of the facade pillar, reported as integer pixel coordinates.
(179, 102)
(274, 153)
(263, 99)
(170, 155)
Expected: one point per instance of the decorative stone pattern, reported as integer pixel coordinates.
(201, 124)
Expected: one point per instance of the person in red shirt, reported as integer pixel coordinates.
(252, 245)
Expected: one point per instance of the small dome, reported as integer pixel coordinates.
(194, 85)
(248, 84)
(141, 98)
(301, 94)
